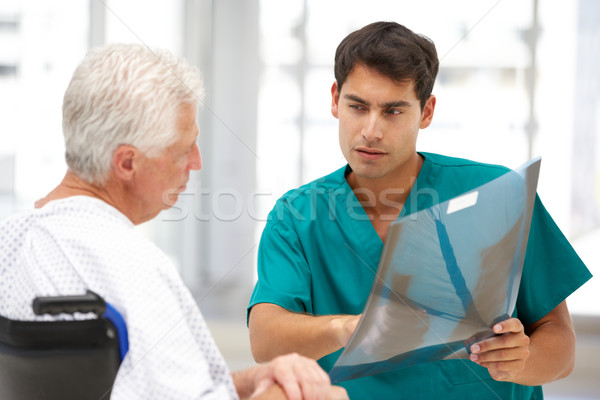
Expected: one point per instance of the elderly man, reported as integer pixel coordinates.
(129, 122)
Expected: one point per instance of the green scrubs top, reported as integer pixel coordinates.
(319, 254)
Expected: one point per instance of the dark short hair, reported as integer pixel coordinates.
(394, 51)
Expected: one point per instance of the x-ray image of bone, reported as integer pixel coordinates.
(446, 276)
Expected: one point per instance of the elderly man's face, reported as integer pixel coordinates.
(162, 178)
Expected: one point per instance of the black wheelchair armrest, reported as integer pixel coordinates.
(88, 302)
(62, 359)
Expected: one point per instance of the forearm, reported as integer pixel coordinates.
(244, 382)
(286, 377)
(245, 385)
(552, 355)
(275, 331)
(273, 392)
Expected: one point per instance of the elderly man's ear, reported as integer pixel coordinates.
(124, 162)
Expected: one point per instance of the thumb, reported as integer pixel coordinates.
(261, 386)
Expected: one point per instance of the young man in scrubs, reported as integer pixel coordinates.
(319, 252)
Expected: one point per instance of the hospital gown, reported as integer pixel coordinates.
(80, 243)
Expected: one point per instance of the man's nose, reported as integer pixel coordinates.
(372, 129)
(195, 161)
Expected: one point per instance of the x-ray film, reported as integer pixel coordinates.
(447, 274)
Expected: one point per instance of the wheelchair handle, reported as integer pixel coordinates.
(53, 305)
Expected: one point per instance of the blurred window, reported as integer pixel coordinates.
(517, 79)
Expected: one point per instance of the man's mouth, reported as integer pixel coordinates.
(184, 184)
(370, 153)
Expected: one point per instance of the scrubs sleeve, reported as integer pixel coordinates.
(552, 269)
(284, 277)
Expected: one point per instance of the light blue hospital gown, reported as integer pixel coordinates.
(80, 243)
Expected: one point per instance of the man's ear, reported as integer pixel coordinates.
(427, 113)
(335, 99)
(124, 161)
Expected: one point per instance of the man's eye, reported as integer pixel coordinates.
(356, 107)
(393, 111)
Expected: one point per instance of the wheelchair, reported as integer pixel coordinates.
(60, 359)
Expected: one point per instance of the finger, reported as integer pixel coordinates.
(337, 393)
(311, 392)
(291, 388)
(295, 374)
(504, 341)
(510, 325)
(314, 382)
(312, 372)
(300, 376)
(261, 386)
(505, 354)
(504, 371)
(273, 391)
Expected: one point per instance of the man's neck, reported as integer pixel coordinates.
(383, 195)
(383, 198)
(73, 185)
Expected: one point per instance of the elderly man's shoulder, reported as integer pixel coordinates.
(82, 226)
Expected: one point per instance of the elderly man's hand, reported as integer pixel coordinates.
(299, 378)
(505, 354)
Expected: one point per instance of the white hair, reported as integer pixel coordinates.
(124, 94)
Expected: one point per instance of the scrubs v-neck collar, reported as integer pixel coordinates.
(359, 221)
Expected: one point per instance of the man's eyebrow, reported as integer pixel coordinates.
(390, 104)
(355, 98)
(394, 104)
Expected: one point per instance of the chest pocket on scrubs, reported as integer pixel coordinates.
(461, 372)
